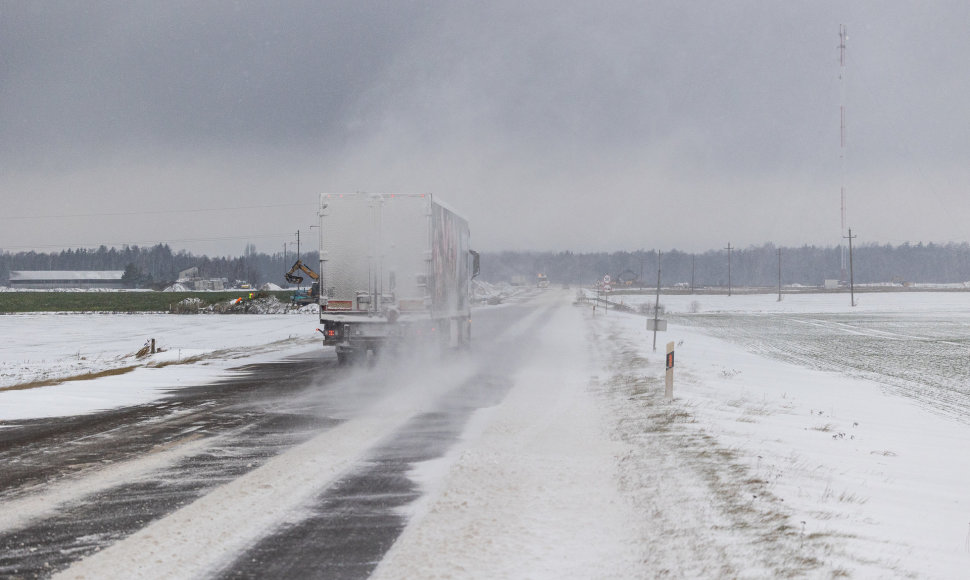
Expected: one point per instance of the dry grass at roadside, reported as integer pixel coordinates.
(147, 361)
(61, 380)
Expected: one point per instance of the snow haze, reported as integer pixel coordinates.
(550, 125)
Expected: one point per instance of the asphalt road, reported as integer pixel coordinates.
(150, 461)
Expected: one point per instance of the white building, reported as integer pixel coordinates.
(51, 279)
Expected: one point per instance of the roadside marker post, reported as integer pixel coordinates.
(669, 383)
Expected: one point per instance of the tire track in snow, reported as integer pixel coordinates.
(346, 530)
(198, 539)
(531, 494)
(98, 478)
(204, 537)
(21, 512)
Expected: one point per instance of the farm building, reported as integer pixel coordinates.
(50, 279)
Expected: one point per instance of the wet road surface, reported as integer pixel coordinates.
(212, 434)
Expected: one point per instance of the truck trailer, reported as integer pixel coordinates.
(395, 271)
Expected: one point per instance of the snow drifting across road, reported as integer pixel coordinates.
(208, 534)
(531, 492)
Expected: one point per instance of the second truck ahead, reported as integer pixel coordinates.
(394, 269)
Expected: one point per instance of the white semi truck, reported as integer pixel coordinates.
(395, 269)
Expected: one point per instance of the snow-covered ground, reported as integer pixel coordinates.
(46, 348)
(758, 468)
(765, 463)
(860, 446)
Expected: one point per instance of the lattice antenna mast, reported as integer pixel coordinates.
(843, 37)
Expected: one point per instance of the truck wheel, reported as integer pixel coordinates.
(348, 357)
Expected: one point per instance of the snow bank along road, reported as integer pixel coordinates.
(547, 452)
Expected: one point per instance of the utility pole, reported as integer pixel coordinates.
(297, 244)
(779, 274)
(843, 37)
(656, 307)
(729, 248)
(851, 277)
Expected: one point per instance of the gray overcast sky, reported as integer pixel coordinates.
(551, 124)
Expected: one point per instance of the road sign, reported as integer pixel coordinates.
(658, 325)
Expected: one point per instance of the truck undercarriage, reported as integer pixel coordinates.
(354, 336)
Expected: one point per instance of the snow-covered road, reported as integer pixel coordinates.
(532, 490)
(574, 466)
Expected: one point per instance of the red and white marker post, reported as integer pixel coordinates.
(669, 391)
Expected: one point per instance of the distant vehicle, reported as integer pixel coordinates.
(395, 269)
(542, 281)
(303, 297)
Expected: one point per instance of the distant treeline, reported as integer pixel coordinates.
(751, 266)
(158, 265)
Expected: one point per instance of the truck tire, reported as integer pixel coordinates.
(351, 356)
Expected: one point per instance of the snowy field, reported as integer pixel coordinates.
(915, 345)
(845, 429)
(805, 438)
(42, 348)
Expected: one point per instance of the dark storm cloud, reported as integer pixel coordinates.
(669, 123)
(102, 76)
(615, 76)
(85, 75)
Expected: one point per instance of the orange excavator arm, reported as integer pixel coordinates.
(292, 278)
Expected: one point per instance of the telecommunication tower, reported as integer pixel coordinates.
(843, 37)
